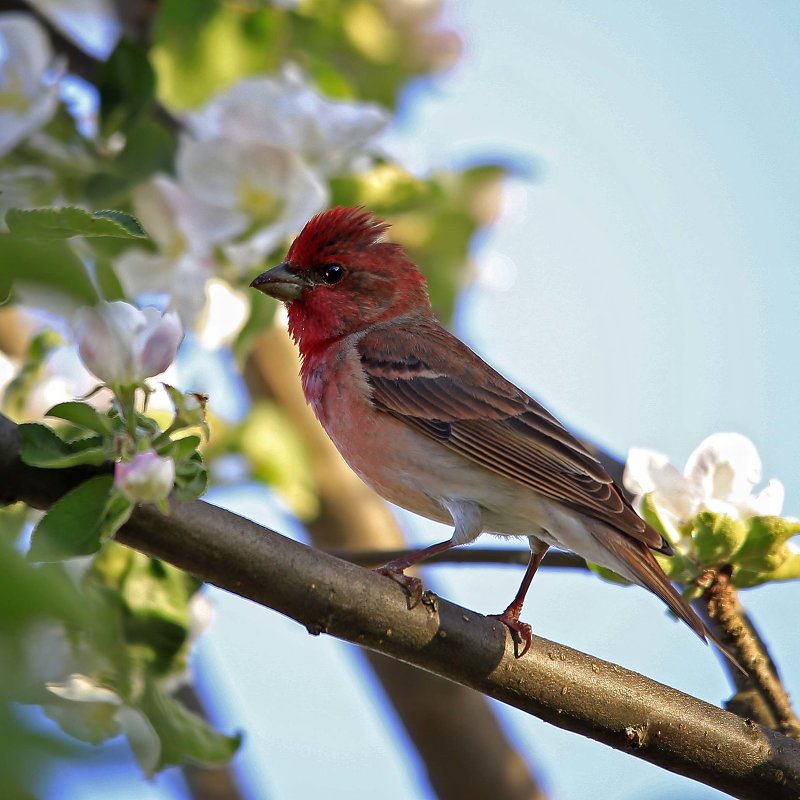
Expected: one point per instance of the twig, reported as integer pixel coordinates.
(560, 685)
(736, 631)
(463, 555)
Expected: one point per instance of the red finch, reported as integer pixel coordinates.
(433, 428)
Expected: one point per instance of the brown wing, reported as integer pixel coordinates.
(440, 387)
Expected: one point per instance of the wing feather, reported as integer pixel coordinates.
(437, 385)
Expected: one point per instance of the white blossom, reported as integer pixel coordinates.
(257, 191)
(93, 24)
(146, 478)
(185, 230)
(123, 345)
(93, 712)
(63, 378)
(81, 689)
(223, 316)
(249, 174)
(719, 476)
(288, 113)
(7, 372)
(29, 76)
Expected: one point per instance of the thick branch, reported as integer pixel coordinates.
(560, 685)
(760, 695)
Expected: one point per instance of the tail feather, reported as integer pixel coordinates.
(637, 563)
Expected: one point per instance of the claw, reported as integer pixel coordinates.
(521, 632)
(411, 585)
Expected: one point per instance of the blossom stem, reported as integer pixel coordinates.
(126, 401)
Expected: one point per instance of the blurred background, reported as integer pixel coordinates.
(605, 199)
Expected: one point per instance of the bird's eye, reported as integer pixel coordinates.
(333, 273)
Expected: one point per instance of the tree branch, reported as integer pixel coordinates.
(760, 695)
(736, 630)
(555, 683)
(463, 555)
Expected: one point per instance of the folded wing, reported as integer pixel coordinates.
(436, 384)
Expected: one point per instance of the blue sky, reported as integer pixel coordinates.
(654, 302)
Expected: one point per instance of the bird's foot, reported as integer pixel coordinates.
(521, 632)
(411, 585)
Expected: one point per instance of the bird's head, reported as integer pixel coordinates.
(340, 276)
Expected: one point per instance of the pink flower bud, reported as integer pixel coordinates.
(146, 478)
(122, 345)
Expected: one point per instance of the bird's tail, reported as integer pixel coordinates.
(637, 563)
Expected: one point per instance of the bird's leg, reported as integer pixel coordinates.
(413, 586)
(521, 631)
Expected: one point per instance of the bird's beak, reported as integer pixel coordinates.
(280, 282)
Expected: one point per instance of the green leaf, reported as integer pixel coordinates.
(72, 526)
(157, 597)
(50, 263)
(185, 737)
(12, 521)
(191, 478)
(183, 448)
(107, 280)
(116, 513)
(127, 85)
(41, 446)
(29, 592)
(126, 221)
(764, 547)
(68, 221)
(83, 415)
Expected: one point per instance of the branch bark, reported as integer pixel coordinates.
(760, 695)
(562, 686)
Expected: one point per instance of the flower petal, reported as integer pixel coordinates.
(28, 87)
(648, 471)
(767, 503)
(223, 315)
(725, 466)
(81, 689)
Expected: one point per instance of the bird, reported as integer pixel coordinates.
(434, 429)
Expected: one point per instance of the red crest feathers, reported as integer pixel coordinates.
(338, 230)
